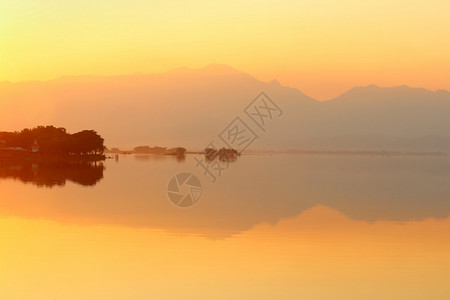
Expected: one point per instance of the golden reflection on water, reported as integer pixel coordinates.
(281, 227)
(319, 254)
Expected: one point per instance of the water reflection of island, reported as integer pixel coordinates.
(54, 173)
(259, 189)
(159, 157)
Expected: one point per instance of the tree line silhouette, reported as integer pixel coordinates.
(53, 140)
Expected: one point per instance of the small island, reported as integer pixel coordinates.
(179, 151)
(223, 154)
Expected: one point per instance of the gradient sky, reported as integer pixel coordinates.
(321, 47)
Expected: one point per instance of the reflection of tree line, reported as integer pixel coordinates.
(52, 173)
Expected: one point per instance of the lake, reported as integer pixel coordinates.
(281, 226)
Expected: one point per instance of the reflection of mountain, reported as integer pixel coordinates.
(53, 173)
(256, 189)
(190, 107)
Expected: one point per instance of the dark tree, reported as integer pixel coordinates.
(53, 140)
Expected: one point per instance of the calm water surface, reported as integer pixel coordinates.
(272, 227)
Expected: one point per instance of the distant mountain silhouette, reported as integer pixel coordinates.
(190, 107)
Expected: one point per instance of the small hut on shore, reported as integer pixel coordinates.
(35, 148)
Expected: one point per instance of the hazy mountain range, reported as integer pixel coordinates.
(191, 107)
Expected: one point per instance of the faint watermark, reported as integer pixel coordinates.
(184, 190)
(239, 134)
(263, 110)
(231, 142)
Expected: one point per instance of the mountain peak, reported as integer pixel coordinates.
(275, 82)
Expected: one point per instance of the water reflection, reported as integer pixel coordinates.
(317, 255)
(256, 189)
(51, 174)
(159, 157)
(265, 229)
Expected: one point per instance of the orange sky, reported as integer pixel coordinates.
(322, 47)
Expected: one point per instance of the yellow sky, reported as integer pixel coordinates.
(322, 47)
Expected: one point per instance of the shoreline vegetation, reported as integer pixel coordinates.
(51, 144)
(210, 154)
(11, 156)
(44, 144)
(207, 152)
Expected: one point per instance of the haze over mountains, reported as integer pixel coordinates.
(185, 107)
